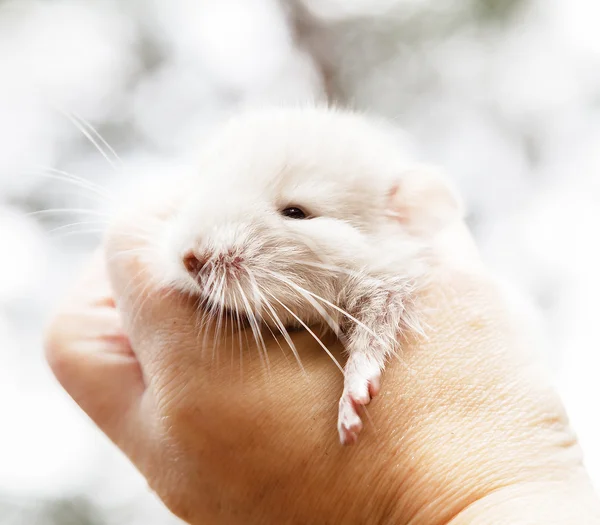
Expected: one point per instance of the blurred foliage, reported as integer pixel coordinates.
(72, 511)
(496, 10)
(77, 511)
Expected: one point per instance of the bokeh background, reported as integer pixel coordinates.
(505, 94)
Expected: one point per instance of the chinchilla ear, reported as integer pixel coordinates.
(424, 200)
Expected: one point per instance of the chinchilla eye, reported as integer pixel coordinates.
(293, 212)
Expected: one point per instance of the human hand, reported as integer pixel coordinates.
(466, 429)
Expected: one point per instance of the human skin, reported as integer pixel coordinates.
(466, 430)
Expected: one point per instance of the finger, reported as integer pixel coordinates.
(91, 357)
(162, 324)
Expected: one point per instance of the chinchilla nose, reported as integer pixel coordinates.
(194, 263)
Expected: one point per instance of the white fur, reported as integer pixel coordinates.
(353, 265)
(337, 166)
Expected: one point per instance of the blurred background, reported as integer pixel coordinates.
(505, 94)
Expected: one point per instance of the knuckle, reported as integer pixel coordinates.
(55, 344)
(52, 342)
